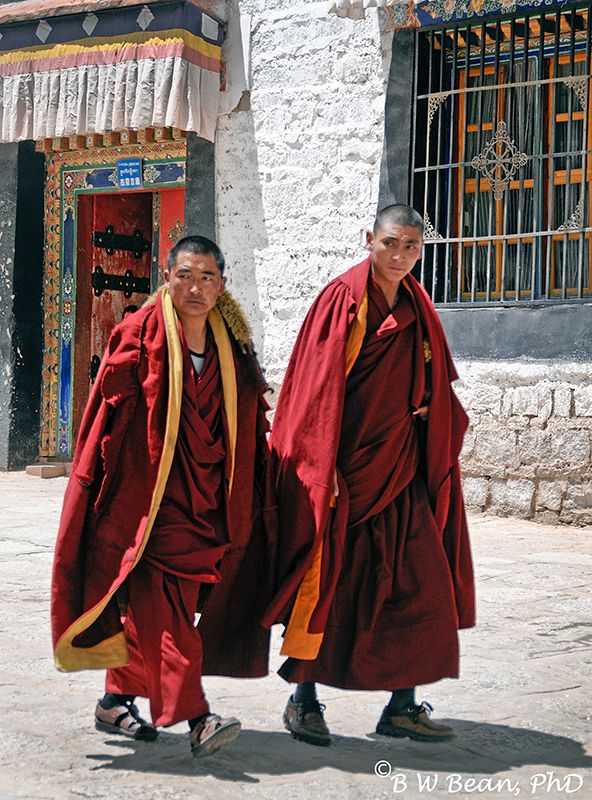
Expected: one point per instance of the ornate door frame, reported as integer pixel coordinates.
(69, 174)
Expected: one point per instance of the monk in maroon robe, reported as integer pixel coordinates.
(375, 573)
(164, 507)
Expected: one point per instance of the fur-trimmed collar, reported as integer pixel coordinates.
(231, 312)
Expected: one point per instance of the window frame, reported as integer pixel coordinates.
(538, 275)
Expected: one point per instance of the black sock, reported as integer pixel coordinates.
(401, 699)
(305, 693)
(111, 700)
(193, 722)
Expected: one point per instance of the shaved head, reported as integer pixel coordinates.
(196, 245)
(398, 215)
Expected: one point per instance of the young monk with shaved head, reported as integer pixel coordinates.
(163, 505)
(375, 573)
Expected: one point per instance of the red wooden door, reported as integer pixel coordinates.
(100, 302)
(126, 214)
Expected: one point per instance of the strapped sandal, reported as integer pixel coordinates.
(211, 733)
(124, 720)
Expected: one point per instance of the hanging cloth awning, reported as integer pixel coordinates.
(410, 14)
(134, 67)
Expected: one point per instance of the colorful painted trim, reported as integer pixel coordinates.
(115, 36)
(407, 14)
(135, 47)
(69, 174)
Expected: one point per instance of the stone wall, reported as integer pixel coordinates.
(8, 204)
(527, 451)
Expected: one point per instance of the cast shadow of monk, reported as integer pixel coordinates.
(479, 748)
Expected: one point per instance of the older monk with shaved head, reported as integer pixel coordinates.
(162, 515)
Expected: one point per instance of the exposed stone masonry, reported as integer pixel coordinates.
(527, 451)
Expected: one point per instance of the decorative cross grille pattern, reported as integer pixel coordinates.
(500, 160)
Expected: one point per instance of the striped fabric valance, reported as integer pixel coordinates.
(417, 13)
(127, 68)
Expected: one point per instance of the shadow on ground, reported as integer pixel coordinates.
(478, 748)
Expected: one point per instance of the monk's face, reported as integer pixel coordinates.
(195, 283)
(394, 251)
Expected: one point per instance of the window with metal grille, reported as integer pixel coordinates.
(502, 158)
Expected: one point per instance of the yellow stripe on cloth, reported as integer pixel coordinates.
(113, 652)
(356, 335)
(113, 43)
(229, 387)
(298, 642)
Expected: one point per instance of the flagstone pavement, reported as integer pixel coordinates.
(522, 707)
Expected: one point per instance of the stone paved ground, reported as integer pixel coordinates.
(522, 707)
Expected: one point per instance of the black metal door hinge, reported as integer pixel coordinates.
(112, 241)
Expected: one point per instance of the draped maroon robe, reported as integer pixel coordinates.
(396, 577)
(104, 542)
(189, 538)
(192, 511)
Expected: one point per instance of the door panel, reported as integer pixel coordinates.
(172, 218)
(100, 308)
(127, 214)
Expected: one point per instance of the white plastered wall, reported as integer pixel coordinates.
(298, 163)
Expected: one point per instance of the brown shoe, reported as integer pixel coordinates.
(124, 720)
(415, 723)
(305, 722)
(211, 732)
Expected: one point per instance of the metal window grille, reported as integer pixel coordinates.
(502, 157)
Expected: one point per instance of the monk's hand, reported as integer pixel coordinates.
(422, 412)
(335, 485)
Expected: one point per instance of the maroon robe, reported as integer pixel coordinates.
(392, 622)
(189, 538)
(396, 576)
(103, 539)
(193, 505)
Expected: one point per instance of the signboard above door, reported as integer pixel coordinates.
(129, 173)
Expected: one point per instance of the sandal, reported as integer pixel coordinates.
(211, 732)
(124, 720)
